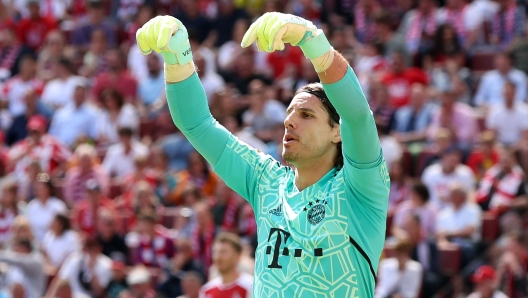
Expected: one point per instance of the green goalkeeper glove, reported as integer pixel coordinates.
(168, 36)
(272, 30)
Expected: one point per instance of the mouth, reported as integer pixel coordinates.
(289, 138)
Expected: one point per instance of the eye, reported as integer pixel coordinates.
(306, 115)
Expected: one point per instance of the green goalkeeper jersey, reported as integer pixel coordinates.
(323, 241)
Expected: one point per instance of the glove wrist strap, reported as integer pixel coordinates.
(175, 73)
(316, 46)
(323, 62)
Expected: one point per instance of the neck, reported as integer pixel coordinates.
(509, 105)
(230, 277)
(310, 173)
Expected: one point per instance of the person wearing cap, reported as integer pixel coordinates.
(399, 275)
(76, 119)
(484, 280)
(86, 212)
(119, 280)
(33, 29)
(437, 177)
(139, 283)
(38, 145)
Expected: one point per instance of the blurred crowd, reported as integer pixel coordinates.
(102, 196)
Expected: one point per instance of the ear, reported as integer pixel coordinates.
(336, 131)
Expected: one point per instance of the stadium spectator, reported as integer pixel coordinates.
(456, 13)
(191, 284)
(152, 86)
(399, 275)
(26, 272)
(116, 76)
(230, 282)
(49, 54)
(177, 149)
(438, 177)
(15, 88)
(153, 247)
(229, 51)
(212, 82)
(94, 62)
(33, 29)
(411, 121)
(364, 13)
(418, 205)
(183, 264)
(419, 27)
(59, 242)
(139, 283)
(18, 129)
(60, 91)
(194, 20)
(459, 223)
(225, 204)
(10, 208)
(452, 74)
(118, 284)
(509, 118)
(42, 209)
(381, 107)
(76, 119)
(11, 50)
(484, 280)
(119, 159)
(116, 114)
(86, 168)
(484, 155)
(458, 117)
(86, 212)
(491, 86)
(203, 234)
(88, 271)
(392, 41)
(198, 173)
(400, 78)
(392, 150)
(80, 37)
(225, 20)
(502, 184)
(112, 243)
(512, 267)
(508, 24)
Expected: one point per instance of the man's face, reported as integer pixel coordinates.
(449, 162)
(397, 63)
(308, 135)
(225, 257)
(509, 93)
(153, 64)
(79, 95)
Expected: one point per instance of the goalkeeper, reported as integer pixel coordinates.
(321, 223)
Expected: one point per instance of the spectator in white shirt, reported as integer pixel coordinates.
(75, 119)
(115, 114)
(59, 242)
(399, 276)
(59, 92)
(484, 279)
(490, 90)
(437, 177)
(508, 119)
(119, 159)
(460, 223)
(88, 272)
(43, 208)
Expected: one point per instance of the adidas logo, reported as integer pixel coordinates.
(277, 211)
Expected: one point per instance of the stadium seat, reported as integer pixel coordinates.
(450, 259)
(490, 227)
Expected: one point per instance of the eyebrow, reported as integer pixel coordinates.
(289, 110)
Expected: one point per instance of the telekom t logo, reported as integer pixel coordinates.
(282, 237)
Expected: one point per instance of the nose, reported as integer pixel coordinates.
(288, 122)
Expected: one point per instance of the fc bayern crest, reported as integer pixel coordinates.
(316, 214)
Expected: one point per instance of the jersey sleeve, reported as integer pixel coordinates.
(238, 164)
(364, 166)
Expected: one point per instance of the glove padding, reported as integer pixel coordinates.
(272, 30)
(165, 35)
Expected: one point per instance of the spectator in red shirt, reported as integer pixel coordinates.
(85, 213)
(400, 78)
(39, 145)
(33, 30)
(287, 62)
(117, 77)
(484, 155)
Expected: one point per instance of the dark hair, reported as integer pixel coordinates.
(46, 180)
(230, 239)
(125, 132)
(316, 89)
(25, 243)
(116, 95)
(64, 221)
(421, 190)
(383, 17)
(66, 63)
